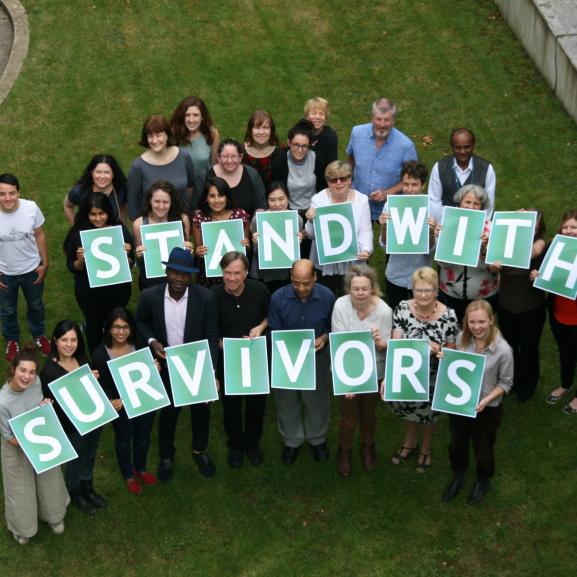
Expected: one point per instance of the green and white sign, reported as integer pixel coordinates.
(460, 238)
(42, 438)
(407, 370)
(191, 373)
(278, 241)
(511, 239)
(407, 228)
(245, 366)
(138, 382)
(158, 240)
(353, 362)
(459, 381)
(220, 237)
(335, 233)
(558, 273)
(105, 257)
(293, 360)
(83, 400)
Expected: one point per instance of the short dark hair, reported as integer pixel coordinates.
(154, 124)
(9, 178)
(304, 127)
(116, 314)
(457, 130)
(61, 329)
(415, 169)
(231, 257)
(230, 142)
(276, 185)
(26, 353)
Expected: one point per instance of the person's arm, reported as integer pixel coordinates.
(68, 210)
(490, 186)
(435, 190)
(338, 324)
(259, 191)
(136, 226)
(185, 225)
(134, 190)
(214, 146)
(42, 268)
(365, 230)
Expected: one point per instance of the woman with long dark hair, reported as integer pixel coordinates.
(67, 354)
(131, 436)
(95, 212)
(192, 127)
(102, 174)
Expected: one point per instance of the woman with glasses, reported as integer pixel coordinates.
(131, 436)
(246, 186)
(299, 168)
(338, 174)
(423, 317)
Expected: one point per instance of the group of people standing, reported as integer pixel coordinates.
(188, 174)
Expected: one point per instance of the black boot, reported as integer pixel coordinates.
(91, 496)
(82, 503)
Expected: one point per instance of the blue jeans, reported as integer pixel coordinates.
(132, 440)
(9, 305)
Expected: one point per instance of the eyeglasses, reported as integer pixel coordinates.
(229, 158)
(339, 179)
(423, 291)
(121, 327)
(299, 146)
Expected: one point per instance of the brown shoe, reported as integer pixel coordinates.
(368, 457)
(344, 462)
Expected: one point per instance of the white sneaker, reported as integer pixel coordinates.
(20, 540)
(58, 528)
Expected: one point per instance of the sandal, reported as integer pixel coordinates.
(569, 410)
(402, 455)
(553, 399)
(423, 462)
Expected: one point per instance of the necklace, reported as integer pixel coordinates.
(423, 316)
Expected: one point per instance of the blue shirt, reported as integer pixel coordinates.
(378, 168)
(400, 267)
(287, 311)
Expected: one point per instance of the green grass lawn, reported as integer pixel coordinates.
(95, 70)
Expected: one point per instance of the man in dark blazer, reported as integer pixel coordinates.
(169, 315)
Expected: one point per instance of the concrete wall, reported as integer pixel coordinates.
(14, 44)
(548, 31)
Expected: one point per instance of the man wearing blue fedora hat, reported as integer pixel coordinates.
(173, 314)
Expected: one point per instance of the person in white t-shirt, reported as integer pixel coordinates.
(23, 264)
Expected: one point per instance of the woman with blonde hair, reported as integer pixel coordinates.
(361, 309)
(422, 317)
(480, 335)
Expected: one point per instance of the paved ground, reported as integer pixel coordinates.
(6, 38)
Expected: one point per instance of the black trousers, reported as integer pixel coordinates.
(566, 339)
(200, 424)
(482, 431)
(396, 294)
(523, 333)
(243, 432)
